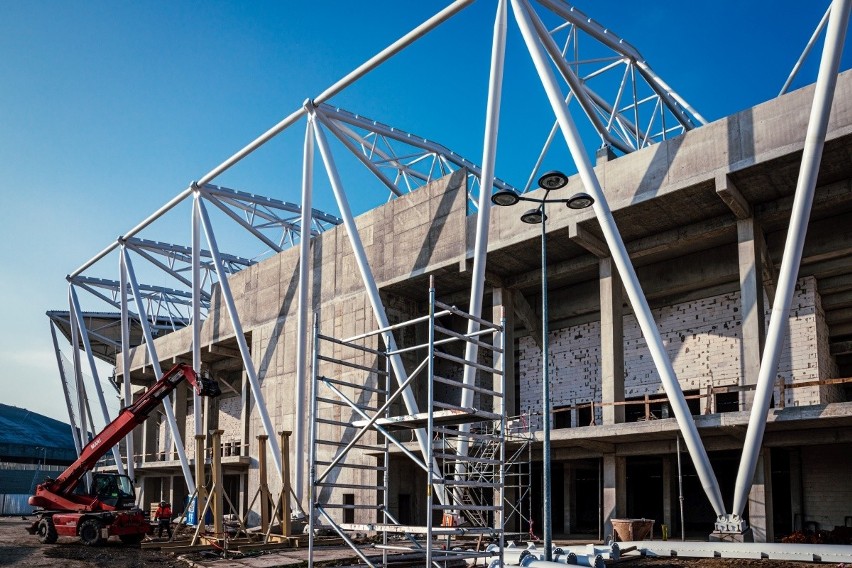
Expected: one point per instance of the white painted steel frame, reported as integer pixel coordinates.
(78, 376)
(77, 314)
(806, 51)
(336, 116)
(523, 15)
(125, 362)
(489, 157)
(64, 379)
(158, 372)
(302, 323)
(805, 187)
(370, 284)
(248, 363)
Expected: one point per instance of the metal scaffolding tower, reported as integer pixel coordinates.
(465, 493)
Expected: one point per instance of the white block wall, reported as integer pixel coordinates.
(703, 338)
(826, 484)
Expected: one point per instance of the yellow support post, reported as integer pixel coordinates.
(216, 474)
(263, 488)
(285, 483)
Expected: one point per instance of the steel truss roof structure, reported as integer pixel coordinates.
(615, 89)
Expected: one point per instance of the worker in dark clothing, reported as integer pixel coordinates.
(163, 516)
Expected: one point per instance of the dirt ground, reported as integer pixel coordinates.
(19, 548)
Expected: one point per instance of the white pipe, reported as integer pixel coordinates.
(372, 290)
(806, 51)
(87, 345)
(125, 362)
(63, 378)
(489, 156)
(341, 84)
(78, 373)
(251, 373)
(302, 324)
(622, 260)
(790, 262)
(197, 284)
(158, 371)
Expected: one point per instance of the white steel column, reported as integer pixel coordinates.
(125, 362)
(197, 405)
(805, 186)
(87, 345)
(158, 371)
(251, 373)
(304, 283)
(373, 293)
(486, 182)
(64, 380)
(523, 13)
(78, 373)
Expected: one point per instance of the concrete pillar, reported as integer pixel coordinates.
(504, 306)
(179, 408)
(614, 490)
(760, 500)
(150, 432)
(612, 342)
(751, 302)
(245, 423)
(669, 497)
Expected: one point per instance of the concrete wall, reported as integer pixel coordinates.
(703, 339)
(825, 480)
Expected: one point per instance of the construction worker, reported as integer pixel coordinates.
(163, 516)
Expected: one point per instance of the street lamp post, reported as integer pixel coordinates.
(550, 181)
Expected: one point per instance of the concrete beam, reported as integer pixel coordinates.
(733, 198)
(717, 229)
(531, 320)
(841, 316)
(836, 301)
(841, 347)
(520, 306)
(835, 284)
(595, 446)
(588, 241)
(225, 351)
(768, 270)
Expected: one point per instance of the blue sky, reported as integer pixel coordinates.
(109, 109)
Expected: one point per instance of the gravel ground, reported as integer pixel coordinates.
(19, 548)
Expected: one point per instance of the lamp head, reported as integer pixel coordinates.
(533, 217)
(553, 180)
(505, 197)
(580, 201)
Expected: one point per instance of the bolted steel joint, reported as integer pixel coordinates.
(731, 523)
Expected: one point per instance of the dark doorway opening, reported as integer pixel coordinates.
(645, 489)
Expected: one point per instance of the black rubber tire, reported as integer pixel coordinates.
(90, 532)
(46, 532)
(131, 538)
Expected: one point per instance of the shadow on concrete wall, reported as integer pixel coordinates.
(456, 183)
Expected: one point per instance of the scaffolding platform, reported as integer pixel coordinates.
(439, 418)
(365, 401)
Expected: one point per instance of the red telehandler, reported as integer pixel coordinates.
(67, 507)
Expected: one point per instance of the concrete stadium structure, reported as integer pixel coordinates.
(657, 301)
(704, 216)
